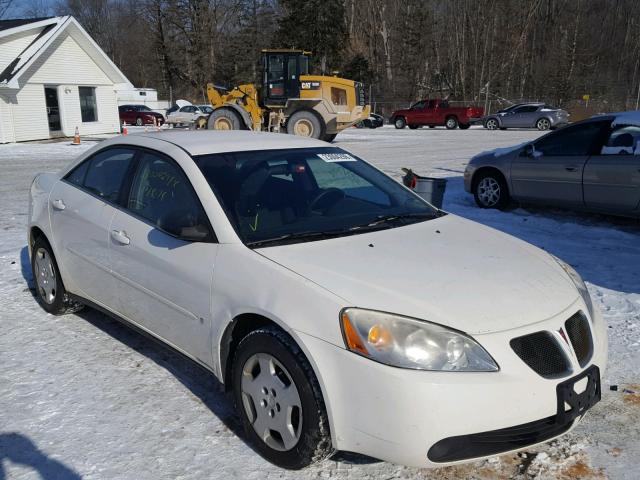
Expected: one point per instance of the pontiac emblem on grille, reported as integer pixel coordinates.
(564, 337)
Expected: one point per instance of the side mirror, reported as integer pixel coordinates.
(528, 151)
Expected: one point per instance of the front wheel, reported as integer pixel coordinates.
(224, 119)
(491, 191)
(491, 124)
(451, 123)
(399, 123)
(543, 124)
(279, 400)
(139, 122)
(50, 290)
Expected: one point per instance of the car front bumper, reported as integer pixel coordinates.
(421, 418)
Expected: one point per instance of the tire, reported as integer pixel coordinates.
(543, 124)
(451, 123)
(491, 124)
(414, 127)
(139, 121)
(432, 126)
(490, 190)
(400, 123)
(305, 123)
(224, 119)
(200, 123)
(464, 126)
(260, 398)
(50, 290)
(329, 137)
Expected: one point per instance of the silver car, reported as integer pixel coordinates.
(590, 165)
(527, 115)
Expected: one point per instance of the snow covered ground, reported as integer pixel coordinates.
(83, 397)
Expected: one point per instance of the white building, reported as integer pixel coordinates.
(142, 96)
(54, 78)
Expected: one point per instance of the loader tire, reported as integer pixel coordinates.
(224, 119)
(305, 124)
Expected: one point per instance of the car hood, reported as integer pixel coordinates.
(448, 270)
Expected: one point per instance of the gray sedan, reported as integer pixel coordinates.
(527, 115)
(590, 165)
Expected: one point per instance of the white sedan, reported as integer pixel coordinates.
(343, 311)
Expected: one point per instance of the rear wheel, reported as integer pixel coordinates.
(543, 124)
(200, 123)
(50, 290)
(399, 123)
(139, 121)
(305, 124)
(224, 119)
(279, 400)
(451, 123)
(491, 190)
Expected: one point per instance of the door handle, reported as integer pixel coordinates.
(58, 204)
(571, 169)
(120, 236)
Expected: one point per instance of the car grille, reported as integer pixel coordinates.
(579, 333)
(541, 351)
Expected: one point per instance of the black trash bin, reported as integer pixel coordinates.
(430, 188)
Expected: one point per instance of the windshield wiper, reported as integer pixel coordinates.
(381, 219)
(299, 236)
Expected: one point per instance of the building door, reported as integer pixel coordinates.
(53, 109)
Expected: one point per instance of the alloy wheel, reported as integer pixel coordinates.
(543, 124)
(492, 124)
(489, 191)
(45, 276)
(271, 401)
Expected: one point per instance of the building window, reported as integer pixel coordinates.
(88, 107)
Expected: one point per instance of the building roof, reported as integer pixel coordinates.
(47, 30)
(18, 22)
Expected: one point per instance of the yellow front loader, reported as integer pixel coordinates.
(290, 100)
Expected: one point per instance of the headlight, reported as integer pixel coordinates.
(578, 282)
(409, 343)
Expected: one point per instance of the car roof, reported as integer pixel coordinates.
(203, 142)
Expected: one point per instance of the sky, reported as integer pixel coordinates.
(30, 8)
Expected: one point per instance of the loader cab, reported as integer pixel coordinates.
(281, 71)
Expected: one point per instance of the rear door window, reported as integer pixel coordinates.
(104, 174)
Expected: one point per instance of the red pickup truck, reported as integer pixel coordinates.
(436, 112)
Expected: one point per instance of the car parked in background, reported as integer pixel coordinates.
(590, 165)
(436, 112)
(188, 115)
(372, 121)
(139, 115)
(208, 109)
(528, 115)
(342, 310)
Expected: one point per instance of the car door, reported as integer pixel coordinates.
(163, 252)
(82, 205)
(552, 172)
(417, 114)
(612, 177)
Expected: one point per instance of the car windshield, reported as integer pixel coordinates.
(295, 195)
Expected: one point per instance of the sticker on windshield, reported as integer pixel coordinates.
(336, 157)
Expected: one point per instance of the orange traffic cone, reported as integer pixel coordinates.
(76, 137)
(124, 129)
